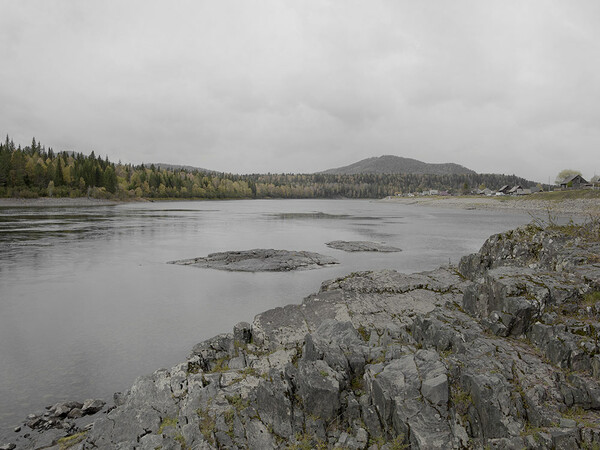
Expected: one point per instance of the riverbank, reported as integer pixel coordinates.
(499, 352)
(534, 204)
(44, 202)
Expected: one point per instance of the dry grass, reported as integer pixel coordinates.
(570, 194)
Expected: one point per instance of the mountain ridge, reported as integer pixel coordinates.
(391, 164)
(168, 166)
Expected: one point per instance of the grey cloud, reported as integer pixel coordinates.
(249, 86)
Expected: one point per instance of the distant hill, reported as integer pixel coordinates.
(390, 164)
(165, 166)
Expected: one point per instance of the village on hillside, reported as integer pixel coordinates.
(575, 181)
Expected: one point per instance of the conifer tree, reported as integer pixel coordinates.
(58, 174)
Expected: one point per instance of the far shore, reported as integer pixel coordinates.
(54, 201)
(575, 207)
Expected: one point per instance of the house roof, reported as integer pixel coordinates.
(572, 178)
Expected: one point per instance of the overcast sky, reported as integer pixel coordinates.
(301, 86)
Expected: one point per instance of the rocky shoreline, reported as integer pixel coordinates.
(501, 352)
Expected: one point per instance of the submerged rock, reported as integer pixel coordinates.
(362, 246)
(260, 260)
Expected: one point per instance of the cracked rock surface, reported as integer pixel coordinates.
(260, 260)
(499, 353)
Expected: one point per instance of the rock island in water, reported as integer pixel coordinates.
(260, 260)
(362, 246)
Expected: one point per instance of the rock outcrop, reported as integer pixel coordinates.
(362, 246)
(501, 353)
(260, 260)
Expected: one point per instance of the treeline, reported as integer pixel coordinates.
(34, 171)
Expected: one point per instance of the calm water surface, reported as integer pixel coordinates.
(87, 301)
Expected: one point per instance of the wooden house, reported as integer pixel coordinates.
(574, 182)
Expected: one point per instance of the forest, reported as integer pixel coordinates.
(34, 171)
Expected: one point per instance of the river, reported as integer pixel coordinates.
(88, 303)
